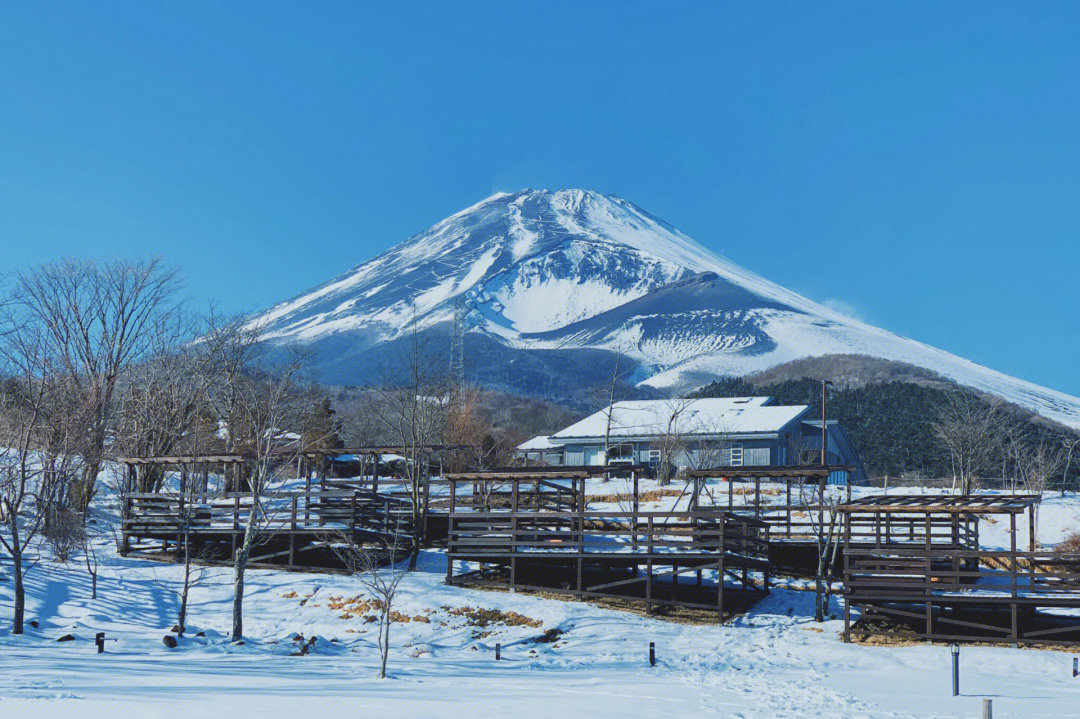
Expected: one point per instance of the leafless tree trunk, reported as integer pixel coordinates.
(610, 393)
(40, 432)
(262, 410)
(969, 429)
(671, 440)
(412, 406)
(91, 561)
(1035, 465)
(97, 318)
(821, 508)
(1069, 445)
(376, 568)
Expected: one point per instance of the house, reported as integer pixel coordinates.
(541, 450)
(698, 433)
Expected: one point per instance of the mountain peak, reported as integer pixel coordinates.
(542, 273)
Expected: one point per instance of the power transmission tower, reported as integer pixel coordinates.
(457, 346)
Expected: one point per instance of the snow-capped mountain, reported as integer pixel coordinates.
(552, 283)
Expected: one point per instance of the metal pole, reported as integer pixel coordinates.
(823, 422)
(955, 649)
(652, 654)
(988, 709)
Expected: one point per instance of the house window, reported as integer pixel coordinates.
(735, 455)
(654, 456)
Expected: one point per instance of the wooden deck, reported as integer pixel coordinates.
(915, 561)
(298, 526)
(529, 532)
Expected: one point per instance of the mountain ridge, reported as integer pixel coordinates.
(573, 271)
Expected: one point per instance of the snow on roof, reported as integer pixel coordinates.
(537, 443)
(718, 416)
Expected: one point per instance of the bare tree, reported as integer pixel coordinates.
(41, 429)
(412, 406)
(610, 395)
(1035, 465)
(162, 404)
(820, 505)
(261, 409)
(1069, 445)
(63, 531)
(377, 569)
(97, 318)
(671, 440)
(90, 559)
(969, 429)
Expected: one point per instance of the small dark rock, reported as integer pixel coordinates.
(175, 629)
(34, 623)
(169, 640)
(201, 634)
(66, 638)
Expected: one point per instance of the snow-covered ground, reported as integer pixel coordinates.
(773, 662)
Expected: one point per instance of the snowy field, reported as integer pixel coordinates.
(773, 662)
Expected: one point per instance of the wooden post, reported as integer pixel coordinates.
(847, 590)
(179, 524)
(649, 569)
(1031, 527)
(720, 569)
(125, 516)
(450, 532)
(787, 503)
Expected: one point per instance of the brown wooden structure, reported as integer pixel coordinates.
(533, 529)
(299, 529)
(916, 561)
(303, 522)
(795, 518)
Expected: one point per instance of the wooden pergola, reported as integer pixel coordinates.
(917, 560)
(531, 528)
(782, 518)
(886, 511)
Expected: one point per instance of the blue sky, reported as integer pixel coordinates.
(915, 163)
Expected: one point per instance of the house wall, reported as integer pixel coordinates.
(757, 452)
(775, 451)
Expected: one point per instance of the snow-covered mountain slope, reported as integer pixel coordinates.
(542, 273)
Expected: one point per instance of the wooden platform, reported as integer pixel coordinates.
(916, 561)
(532, 532)
(298, 525)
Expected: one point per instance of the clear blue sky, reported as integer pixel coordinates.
(918, 163)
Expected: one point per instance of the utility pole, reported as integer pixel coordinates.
(824, 383)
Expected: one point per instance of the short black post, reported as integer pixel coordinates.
(955, 649)
(99, 639)
(652, 654)
(498, 651)
(1076, 666)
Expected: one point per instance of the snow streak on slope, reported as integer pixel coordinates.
(576, 270)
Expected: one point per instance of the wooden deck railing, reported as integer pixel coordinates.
(683, 534)
(151, 515)
(910, 574)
